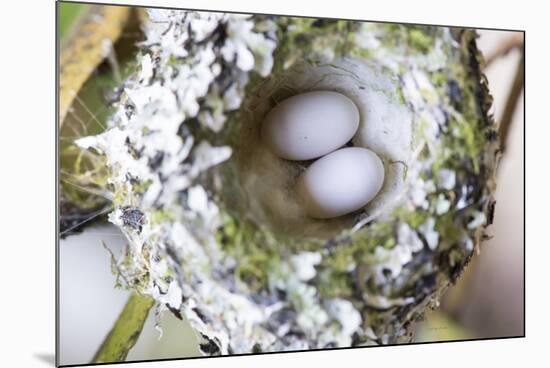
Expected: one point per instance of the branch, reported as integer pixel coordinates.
(83, 52)
(512, 42)
(511, 103)
(124, 334)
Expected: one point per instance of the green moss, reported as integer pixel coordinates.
(446, 225)
(160, 215)
(389, 243)
(309, 39)
(360, 249)
(141, 186)
(257, 253)
(439, 79)
(412, 218)
(120, 197)
(335, 284)
(419, 39)
(360, 52)
(469, 121)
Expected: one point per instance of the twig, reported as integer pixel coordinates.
(513, 42)
(124, 334)
(82, 53)
(511, 104)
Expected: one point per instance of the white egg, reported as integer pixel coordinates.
(310, 125)
(340, 182)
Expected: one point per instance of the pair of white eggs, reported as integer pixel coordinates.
(317, 124)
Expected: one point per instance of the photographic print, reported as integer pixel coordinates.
(236, 184)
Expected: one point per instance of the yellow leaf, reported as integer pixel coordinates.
(84, 50)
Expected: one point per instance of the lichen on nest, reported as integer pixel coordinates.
(197, 241)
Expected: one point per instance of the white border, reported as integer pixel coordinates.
(27, 185)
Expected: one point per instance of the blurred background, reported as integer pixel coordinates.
(487, 301)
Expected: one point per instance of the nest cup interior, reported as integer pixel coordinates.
(264, 190)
